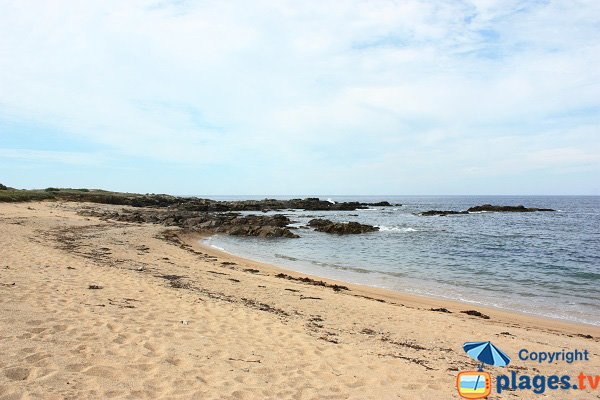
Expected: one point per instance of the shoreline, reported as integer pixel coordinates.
(399, 297)
(98, 308)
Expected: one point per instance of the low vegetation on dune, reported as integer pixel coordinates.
(8, 194)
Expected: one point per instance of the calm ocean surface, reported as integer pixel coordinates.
(541, 263)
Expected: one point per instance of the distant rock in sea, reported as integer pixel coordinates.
(484, 208)
(441, 213)
(492, 208)
(381, 204)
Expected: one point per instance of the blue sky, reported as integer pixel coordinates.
(309, 97)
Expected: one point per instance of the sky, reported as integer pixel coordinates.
(301, 97)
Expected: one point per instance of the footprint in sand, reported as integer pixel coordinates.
(173, 360)
(150, 347)
(25, 336)
(121, 338)
(36, 330)
(144, 367)
(102, 371)
(36, 357)
(77, 367)
(17, 373)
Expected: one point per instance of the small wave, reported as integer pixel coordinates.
(217, 247)
(285, 257)
(329, 199)
(384, 228)
(593, 276)
(341, 267)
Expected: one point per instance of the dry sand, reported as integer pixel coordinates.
(174, 320)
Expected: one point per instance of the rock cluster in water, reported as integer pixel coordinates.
(212, 216)
(491, 208)
(227, 223)
(442, 212)
(196, 204)
(486, 208)
(340, 228)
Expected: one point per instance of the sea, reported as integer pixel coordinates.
(540, 263)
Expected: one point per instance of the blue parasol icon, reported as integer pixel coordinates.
(486, 353)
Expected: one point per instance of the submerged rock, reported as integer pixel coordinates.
(340, 228)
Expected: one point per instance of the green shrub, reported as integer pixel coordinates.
(51, 189)
(13, 195)
(3, 187)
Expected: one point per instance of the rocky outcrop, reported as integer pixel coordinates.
(492, 208)
(311, 204)
(441, 213)
(257, 225)
(180, 203)
(486, 208)
(207, 205)
(319, 222)
(227, 223)
(211, 216)
(340, 228)
(380, 204)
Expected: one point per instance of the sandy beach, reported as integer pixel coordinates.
(94, 309)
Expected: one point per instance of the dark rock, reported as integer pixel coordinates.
(340, 228)
(492, 208)
(380, 204)
(441, 213)
(311, 203)
(228, 223)
(485, 207)
(319, 222)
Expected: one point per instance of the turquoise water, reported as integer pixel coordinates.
(545, 264)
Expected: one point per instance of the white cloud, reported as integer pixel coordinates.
(63, 157)
(223, 82)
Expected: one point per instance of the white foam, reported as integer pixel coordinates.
(384, 228)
